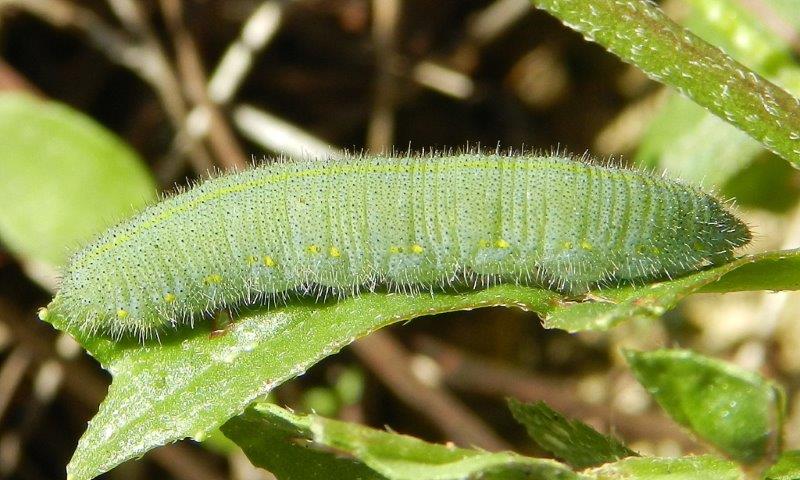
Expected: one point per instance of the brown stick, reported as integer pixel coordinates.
(83, 382)
(220, 136)
(387, 359)
(466, 373)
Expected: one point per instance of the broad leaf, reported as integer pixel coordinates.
(64, 178)
(191, 383)
(737, 411)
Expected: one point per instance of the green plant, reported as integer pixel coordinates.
(189, 385)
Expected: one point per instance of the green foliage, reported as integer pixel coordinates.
(786, 468)
(735, 410)
(270, 438)
(64, 178)
(769, 271)
(638, 32)
(310, 447)
(189, 383)
(377, 454)
(692, 143)
(158, 387)
(703, 467)
(573, 441)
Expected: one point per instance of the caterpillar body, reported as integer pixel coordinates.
(324, 227)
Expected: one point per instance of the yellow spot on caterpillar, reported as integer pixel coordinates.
(268, 261)
(483, 243)
(213, 279)
(43, 313)
(417, 248)
(169, 297)
(395, 249)
(501, 243)
(313, 249)
(698, 246)
(567, 245)
(122, 313)
(641, 249)
(656, 250)
(334, 252)
(252, 260)
(586, 245)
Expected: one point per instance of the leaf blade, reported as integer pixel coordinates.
(224, 374)
(69, 178)
(576, 443)
(639, 33)
(686, 468)
(394, 456)
(737, 411)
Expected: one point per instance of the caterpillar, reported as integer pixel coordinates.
(336, 227)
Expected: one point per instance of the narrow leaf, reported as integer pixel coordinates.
(704, 467)
(276, 444)
(573, 441)
(690, 142)
(392, 456)
(767, 271)
(190, 383)
(786, 468)
(639, 32)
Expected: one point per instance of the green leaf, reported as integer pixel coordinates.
(278, 442)
(190, 383)
(692, 143)
(639, 32)
(767, 271)
(737, 411)
(573, 441)
(786, 468)
(64, 178)
(392, 456)
(771, 271)
(705, 467)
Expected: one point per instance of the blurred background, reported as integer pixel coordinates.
(103, 103)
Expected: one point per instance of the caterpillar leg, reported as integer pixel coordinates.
(221, 324)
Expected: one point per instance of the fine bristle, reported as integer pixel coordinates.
(329, 228)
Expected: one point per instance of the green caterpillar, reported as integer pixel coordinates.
(335, 227)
